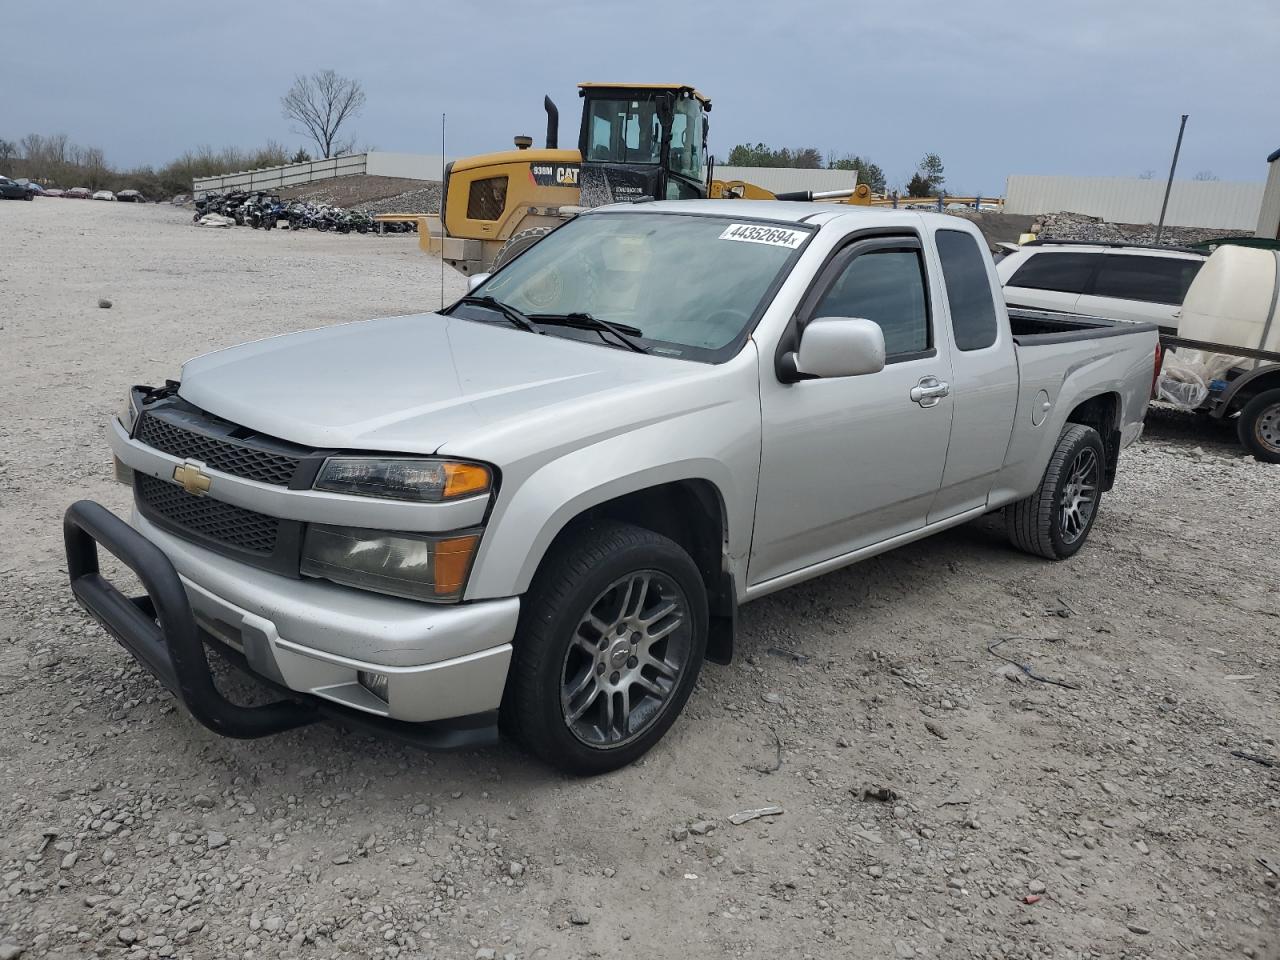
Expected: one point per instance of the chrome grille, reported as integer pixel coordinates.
(237, 459)
(208, 519)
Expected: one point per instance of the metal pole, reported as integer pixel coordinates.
(443, 165)
(1169, 186)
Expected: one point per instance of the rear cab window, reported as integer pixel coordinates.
(964, 271)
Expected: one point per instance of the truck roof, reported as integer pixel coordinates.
(1124, 246)
(781, 211)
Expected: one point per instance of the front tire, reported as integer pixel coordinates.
(611, 639)
(1055, 521)
(1259, 426)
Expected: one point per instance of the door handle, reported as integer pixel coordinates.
(929, 391)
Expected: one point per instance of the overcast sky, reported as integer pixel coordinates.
(1091, 87)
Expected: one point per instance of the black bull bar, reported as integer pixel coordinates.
(158, 628)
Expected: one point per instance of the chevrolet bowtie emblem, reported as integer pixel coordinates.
(192, 479)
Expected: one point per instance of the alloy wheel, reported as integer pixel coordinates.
(625, 659)
(1080, 494)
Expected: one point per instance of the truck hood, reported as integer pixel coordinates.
(408, 384)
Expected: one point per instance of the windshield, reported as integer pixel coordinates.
(691, 285)
(623, 131)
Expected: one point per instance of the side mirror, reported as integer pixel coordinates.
(475, 280)
(839, 347)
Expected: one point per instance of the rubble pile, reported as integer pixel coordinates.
(1078, 226)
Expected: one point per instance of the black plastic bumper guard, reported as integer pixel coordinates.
(160, 631)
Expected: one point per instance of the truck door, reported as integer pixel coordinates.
(984, 374)
(848, 462)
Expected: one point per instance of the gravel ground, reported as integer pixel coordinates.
(932, 806)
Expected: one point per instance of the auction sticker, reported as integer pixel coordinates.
(758, 233)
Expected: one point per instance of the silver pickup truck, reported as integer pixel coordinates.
(540, 508)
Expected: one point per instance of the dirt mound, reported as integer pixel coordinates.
(357, 191)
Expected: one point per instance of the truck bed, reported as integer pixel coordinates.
(1035, 327)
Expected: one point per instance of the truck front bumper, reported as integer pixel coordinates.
(439, 672)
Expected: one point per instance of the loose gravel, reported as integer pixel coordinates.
(1078, 226)
(934, 800)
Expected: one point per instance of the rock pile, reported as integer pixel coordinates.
(1078, 226)
(424, 200)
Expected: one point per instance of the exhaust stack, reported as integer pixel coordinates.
(553, 123)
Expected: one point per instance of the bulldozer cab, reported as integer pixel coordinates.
(642, 141)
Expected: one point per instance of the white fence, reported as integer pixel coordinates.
(427, 166)
(788, 179)
(275, 178)
(1192, 203)
(409, 166)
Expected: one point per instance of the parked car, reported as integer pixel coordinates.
(131, 196)
(104, 195)
(33, 189)
(12, 190)
(545, 502)
(79, 193)
(53, 192)
(1118, 282)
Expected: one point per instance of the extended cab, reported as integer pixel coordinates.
(544, 504)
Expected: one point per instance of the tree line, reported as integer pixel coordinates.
(320, 105)
(56, 160)
(925, 181)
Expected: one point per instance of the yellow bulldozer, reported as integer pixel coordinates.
(637, 141)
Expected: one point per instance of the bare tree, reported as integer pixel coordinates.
(8, 149)
(96, 171)
(320, 104)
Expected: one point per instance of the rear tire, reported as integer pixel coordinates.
(518, 244)
(611, 638)
(1054, 522)
(1259, 426)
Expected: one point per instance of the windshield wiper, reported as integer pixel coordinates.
(508, 311)
(586, 321)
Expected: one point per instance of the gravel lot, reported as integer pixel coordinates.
(1023, 819)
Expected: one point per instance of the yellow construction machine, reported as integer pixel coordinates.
(637, 141)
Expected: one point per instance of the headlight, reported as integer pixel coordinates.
(415, 566)
(403, 479)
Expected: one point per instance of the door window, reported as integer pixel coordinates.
(1064, 272)
(887, 287)
(973, 310)
(1149, 279)
(686, 138)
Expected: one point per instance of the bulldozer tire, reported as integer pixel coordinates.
(518, 244)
